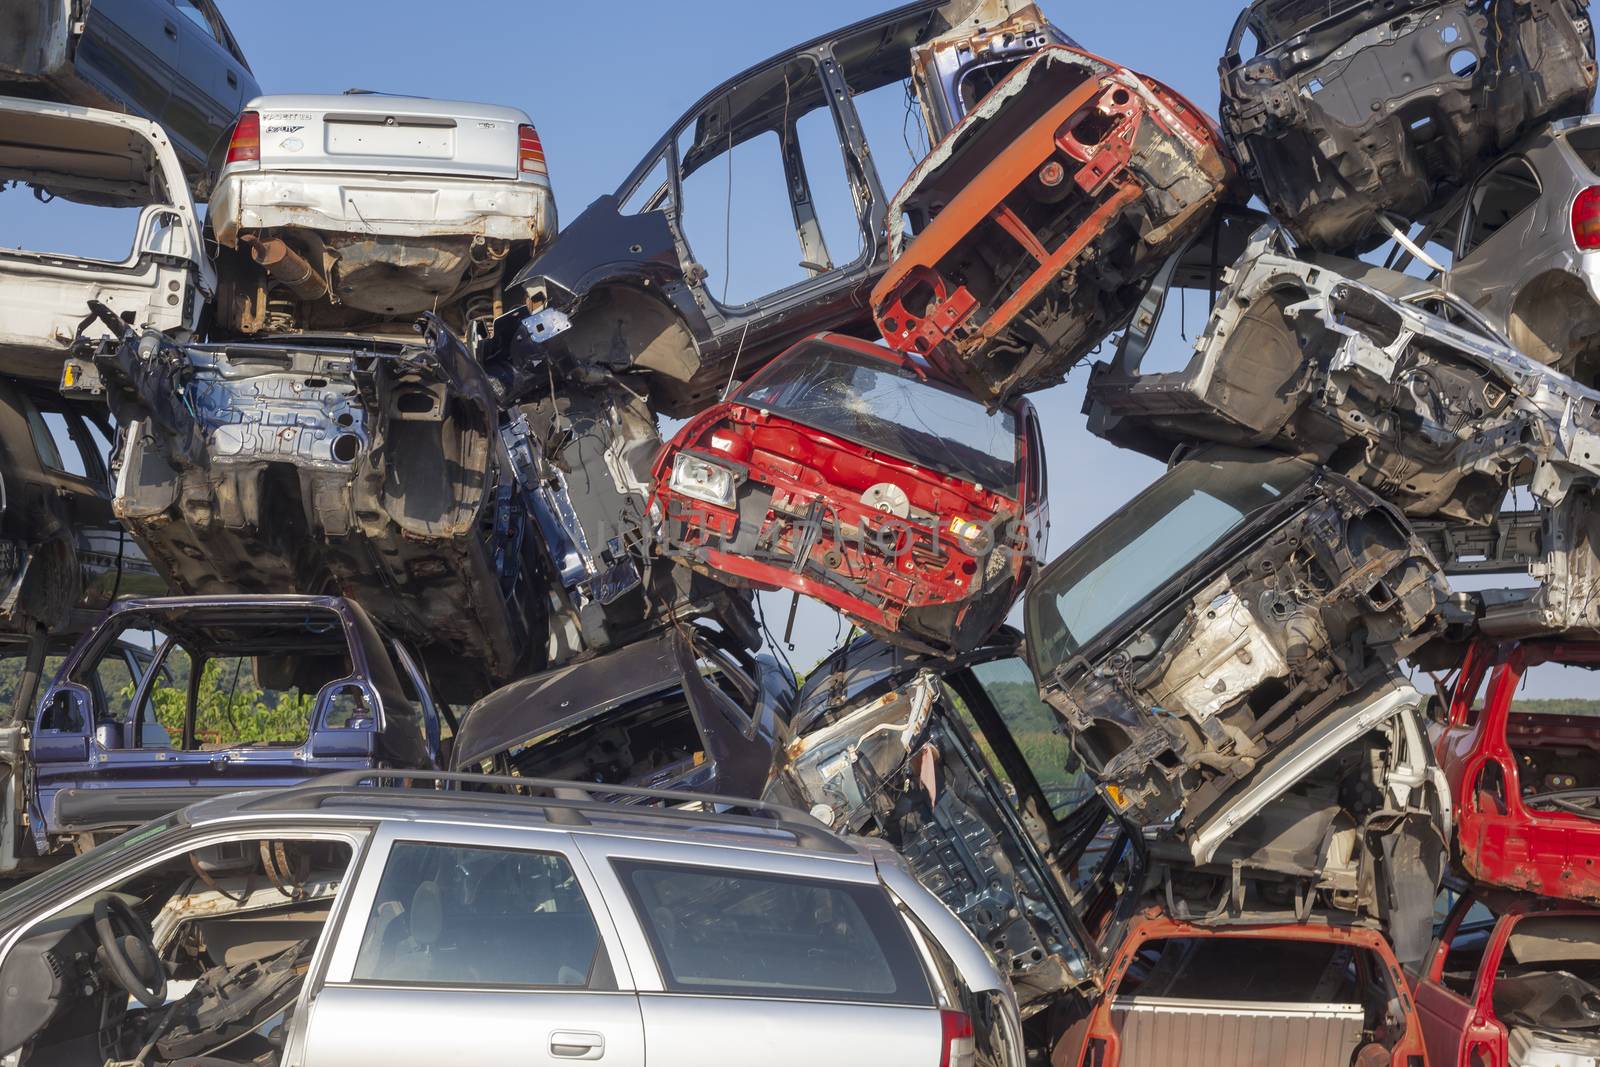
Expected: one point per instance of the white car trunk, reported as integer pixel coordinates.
(388, 134)
(104, 159)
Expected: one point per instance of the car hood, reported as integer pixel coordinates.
(560, 699)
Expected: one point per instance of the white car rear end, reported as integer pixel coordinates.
(363, 209)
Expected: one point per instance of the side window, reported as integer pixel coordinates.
(165, 703)
(481, 917)
(652, 193)
(1033, 726)
(1038, 484)
(1465, 953)
(733, 933)
(1500, 196)
(196, 13)
(766, 203)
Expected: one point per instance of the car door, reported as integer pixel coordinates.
(1447, 991)
(206, 95)
(475, 946)
(740, 963)
(129, 52)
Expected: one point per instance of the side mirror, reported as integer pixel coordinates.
(1436, 710)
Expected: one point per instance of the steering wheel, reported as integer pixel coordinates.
(130, 952)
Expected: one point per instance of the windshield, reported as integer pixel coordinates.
(51, 884)
(884, 406)
(1133, 553)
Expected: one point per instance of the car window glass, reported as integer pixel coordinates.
(196, 14)
(71, 458)
(736, 933)
(736, 214)
(1034, 727)
(652, 193)
(481, 917)
(1163, 530)
(1499, 197)
(1464, 954)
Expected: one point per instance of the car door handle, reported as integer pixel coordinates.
(172, 30)
(233, 80)
(577, 1045)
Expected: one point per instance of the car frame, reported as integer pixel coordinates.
(1028, 233)
(1463, 1029)
(104, 159)
(621, 288)
(1502, 839)
(85, 778)
(1345, 116)
(597, 845)
(1098, 1040)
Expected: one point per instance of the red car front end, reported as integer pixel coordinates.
(840, 472)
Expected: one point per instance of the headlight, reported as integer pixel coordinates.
(702, 479)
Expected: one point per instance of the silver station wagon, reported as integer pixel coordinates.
(339, 924)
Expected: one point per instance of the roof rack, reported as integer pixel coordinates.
(567, 803)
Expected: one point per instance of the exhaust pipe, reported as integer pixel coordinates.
(287, 266)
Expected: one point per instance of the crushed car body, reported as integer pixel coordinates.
(310, 465)
(1511, 982)
(1029, 231)
(170, 700)
(626, 285)
(1239, 613)
(840, 472)
(957, 767)
(1350, 112)
(688, 708)
(358, 212)
(108, 160)
(1437, 414)
(1526, 783)
(1320, 993)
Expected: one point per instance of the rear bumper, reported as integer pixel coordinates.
(376, 204)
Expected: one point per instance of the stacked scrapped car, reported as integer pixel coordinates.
(1350, 112)
(1223, 636)
(312, 465)
(359, 212)
(1029, 231)
(840, 472)
(1527, 784)
(170, 700)
(1248, 992)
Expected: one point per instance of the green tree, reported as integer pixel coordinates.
(231, 708)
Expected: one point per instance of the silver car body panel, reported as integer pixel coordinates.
(111, 159)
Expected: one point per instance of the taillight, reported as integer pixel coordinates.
(956, 1046)
(530, 152)
(1586, 218)
(244, 146)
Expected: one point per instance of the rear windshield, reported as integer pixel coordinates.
(887, 407)
(733, 933)
(1163, 530)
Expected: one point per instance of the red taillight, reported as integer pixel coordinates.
(244, 146)
(956, 1045)
(530, 153)
(1586, 218)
